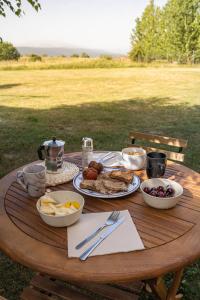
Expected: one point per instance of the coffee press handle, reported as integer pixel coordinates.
(20, 179)
(40, 152)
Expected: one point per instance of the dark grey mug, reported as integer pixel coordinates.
(156, 164)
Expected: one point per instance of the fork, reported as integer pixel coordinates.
(110, 221)
(102, 158)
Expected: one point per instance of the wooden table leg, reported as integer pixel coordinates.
(160, 290)
(171, 295)
(157, 287)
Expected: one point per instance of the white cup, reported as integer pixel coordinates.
(33, 179)
(137, 161)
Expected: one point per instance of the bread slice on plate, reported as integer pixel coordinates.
(88, 184)
(114, 186)
(99, 186)
(125, 176)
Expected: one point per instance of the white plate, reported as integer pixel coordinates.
(131, 188)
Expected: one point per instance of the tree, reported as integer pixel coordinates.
(75, 55)
(145, 37)
(84, 55)
(8, 52)
(34, 57)
(106, 56)
(16, 6)
(182, 19)
(171, 33)
(137, 52)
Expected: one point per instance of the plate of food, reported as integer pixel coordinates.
(94, 181)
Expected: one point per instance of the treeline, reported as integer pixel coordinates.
(9, 52)
(170, 33)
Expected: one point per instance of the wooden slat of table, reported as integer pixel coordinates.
(140, 211)
(21, 210)
(161, 231)
(150, 236)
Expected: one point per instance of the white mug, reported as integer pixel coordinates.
(33, 179)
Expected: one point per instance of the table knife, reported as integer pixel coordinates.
(103, 236)
(101, 159)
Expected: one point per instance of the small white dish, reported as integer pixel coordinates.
(161, 202)
(62, 197)
(133, 161)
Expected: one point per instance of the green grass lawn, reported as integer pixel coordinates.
(104, 104)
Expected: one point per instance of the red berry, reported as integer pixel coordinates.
(146, 190)
(161, 194)
(160, 188)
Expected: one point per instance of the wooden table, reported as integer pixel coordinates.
(171, 237)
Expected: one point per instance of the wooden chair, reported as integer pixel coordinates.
(45, 288)
(180, 144)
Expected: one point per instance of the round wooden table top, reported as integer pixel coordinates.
(171, 237)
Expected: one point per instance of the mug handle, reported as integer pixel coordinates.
(20, 179)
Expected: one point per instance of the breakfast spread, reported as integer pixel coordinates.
(160, 191)
(106, 183)
(49, 206)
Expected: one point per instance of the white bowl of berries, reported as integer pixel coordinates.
(161, 193)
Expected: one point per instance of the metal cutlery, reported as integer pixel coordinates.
(103, 236)
(108, 158)
(104, 156)
(113, 217)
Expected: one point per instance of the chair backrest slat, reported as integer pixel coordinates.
(170, 154)
(157, 139)
(163, 140)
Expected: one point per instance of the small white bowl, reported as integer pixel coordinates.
(161, 202)
(136, 162)
(62, 197)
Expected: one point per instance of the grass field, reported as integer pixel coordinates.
(51, 63)
(66, 63)
(104, 104)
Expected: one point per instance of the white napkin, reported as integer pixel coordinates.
(123, 239)
(117, 160)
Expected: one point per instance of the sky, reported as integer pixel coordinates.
(94, 24)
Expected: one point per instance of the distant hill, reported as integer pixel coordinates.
(63, 51)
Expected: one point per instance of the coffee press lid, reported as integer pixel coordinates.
(54, 143)
(87, 142)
